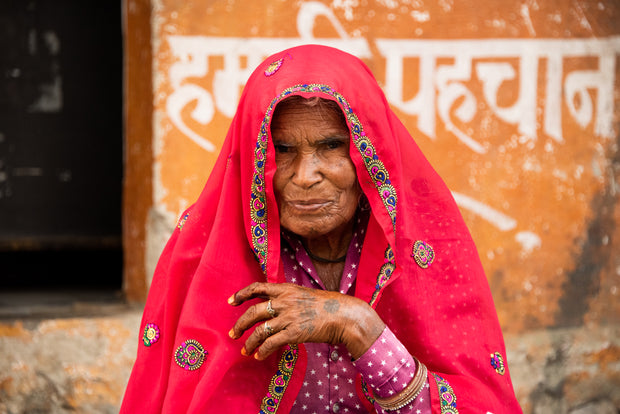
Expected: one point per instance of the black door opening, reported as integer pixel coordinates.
(61, 140)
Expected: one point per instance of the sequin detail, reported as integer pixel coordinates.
(280, 380)
(151, 334)
(384, 274)
(274, 67)
(182, 221)
(190, 355)
(377, 171)
(447, 397)
(497, 362)
(423, 254)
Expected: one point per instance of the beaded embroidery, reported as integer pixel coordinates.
(258, 207)
(446, 396)
(274, 67)
(423, 254)
(384, 274)
(367, 393)
(190, 355)
(182, 221)
(280, 380)
(151, 334)
(374, 166)
(497, 362)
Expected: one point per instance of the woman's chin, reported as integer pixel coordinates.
(310, 229)
(306, 232)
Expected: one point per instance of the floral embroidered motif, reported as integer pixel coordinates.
(423, 254)
(190, 355)
(280, 380)
(447, 397)
(374, 166)
(384, 274)
(182, 221)
(151, 334)
(274, 67)
(497, 362)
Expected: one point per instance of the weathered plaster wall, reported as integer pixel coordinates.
(515, 104)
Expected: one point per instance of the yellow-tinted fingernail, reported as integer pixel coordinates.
(231, 333)
(256, 355)
(244, 352)
(231, 300)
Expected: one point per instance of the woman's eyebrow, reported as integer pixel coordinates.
(282, 142)
(332, 138)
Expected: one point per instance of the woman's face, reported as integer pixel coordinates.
(315, 182)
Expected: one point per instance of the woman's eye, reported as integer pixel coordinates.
(334, 144)
(282, 149)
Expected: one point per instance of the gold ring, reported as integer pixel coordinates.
(270, 310)
(268, 329)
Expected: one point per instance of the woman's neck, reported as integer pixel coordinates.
(328, 253)
(330, 274)
(330, 247)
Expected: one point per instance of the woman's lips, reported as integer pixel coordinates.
(308, 205)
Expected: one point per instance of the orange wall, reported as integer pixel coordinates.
(514, 103)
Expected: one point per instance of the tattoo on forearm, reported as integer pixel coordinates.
(331, 306)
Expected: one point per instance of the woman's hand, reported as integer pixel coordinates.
(304, 315)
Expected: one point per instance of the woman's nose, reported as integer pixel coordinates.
(307, 170)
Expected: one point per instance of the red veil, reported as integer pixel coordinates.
(419, 267)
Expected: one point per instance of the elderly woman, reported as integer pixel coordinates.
(324, 268)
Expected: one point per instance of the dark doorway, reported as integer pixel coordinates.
(61, 140)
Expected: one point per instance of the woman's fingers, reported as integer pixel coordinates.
(302, 315)
(271, 345)
(285, 304)
(255, 290)
(267, 337)
(250, 317)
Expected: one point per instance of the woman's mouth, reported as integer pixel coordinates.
(308, 205)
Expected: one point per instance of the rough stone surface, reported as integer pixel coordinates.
(73, 365)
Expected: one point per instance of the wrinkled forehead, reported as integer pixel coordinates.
(314, 109)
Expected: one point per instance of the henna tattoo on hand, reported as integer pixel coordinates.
(308, 314)
(307, 327)
(331, 306)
